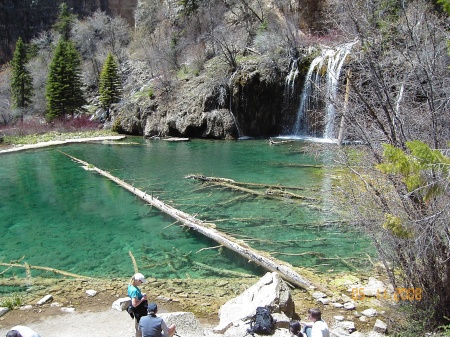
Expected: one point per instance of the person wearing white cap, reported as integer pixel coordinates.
(138, 299)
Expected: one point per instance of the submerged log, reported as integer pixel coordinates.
(208, 229)
(28, 269)
(269, 193)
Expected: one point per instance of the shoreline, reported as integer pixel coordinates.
(17, 148)
(202, 297)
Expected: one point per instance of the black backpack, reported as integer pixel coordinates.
(139, 311)
(262, 322)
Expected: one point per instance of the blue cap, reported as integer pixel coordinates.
(152, 307)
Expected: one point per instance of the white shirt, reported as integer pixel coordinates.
(320, 329)
(25, 331)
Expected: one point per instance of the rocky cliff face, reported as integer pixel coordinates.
(249, 103)
(26, 18)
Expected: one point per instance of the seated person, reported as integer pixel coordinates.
(317, 327)
(152, 326)
(294, 328)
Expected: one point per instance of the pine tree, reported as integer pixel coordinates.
(65, 22)
(21, 81)
(64, 95)
(110, 86)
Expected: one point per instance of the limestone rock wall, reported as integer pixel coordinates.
(253, 106)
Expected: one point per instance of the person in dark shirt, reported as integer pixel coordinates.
(153, 326)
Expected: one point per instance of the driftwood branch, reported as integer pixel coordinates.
(207, 229)
(224, 272)
(28, 268)
(208, 248)
(136, 269)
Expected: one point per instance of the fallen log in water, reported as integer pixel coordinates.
(208, 229)
(28, 267)
(269, 193)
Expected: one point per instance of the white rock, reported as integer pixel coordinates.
(349, 306)
(67, 309)
(370, 312)
(270, 291)
(45, 299)
(373, 288)
(363, 319)
(26, 307)
(339, 332)
(337, 305)
(91, 292)
(347, 325)
(281, 320)
(3, 310)
(186, 322)
(318, 294)
(339, 318)
(380, 326)
(324, 301)
(56, 304)
(121, 304)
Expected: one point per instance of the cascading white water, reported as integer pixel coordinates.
(324, 70)
(238, 129)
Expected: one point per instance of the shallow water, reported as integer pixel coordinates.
(54, 213)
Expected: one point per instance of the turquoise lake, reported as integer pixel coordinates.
(54, 213)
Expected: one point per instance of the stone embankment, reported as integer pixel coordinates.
(198, 307)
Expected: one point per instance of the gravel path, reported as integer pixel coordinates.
(108, 323)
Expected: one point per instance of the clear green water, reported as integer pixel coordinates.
(54, 213)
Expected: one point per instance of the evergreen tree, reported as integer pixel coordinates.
(65, 22)
(64, 95)
(21, 81)
(110, 86)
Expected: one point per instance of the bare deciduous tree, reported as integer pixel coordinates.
(399, 92)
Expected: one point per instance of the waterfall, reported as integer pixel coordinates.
(230, 85)
(319, 93)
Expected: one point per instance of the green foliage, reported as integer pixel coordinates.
(110, 87)
(263, 27)
(445, 5)
(395, 226)
(64, 94)
(21, 81)
(65, 22)
(188, 7)
(417, 169)
(445, 330)
(12, 302)
(116, 127)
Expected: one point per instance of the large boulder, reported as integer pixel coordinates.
(270, 291)
(187, 324)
